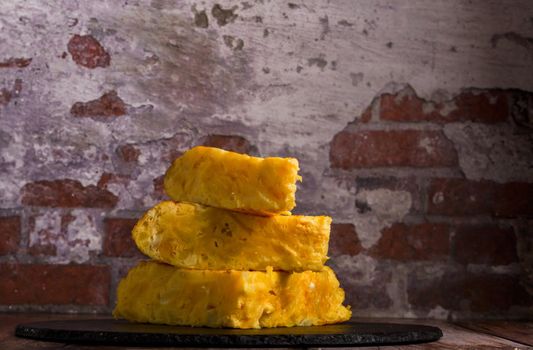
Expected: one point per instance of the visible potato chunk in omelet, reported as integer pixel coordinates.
(159, 293)
(199, 237)
(218, 178)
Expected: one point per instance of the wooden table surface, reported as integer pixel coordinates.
(460, 335)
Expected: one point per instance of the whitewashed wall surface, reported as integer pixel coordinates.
(412, 121)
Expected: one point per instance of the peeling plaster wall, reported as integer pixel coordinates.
(412, 121)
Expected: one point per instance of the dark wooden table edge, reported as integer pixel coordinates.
(469, 325)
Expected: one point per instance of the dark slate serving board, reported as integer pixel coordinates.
(119, 332)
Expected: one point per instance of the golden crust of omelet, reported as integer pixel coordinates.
(199, 237)
(229, 180)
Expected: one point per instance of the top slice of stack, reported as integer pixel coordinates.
(238, 182)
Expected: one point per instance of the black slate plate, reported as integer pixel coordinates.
(119, 332)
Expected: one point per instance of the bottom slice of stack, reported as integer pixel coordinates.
(159, 293)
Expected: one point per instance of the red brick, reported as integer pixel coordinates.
(66, 193)
(18, 62)
(486, 106)
(399, 148)
(468, 292)
(128, 153)
(344, 240)
(9, 234)
(489, 244)
(460, 197)
(489, 106)
(54, 284)
(413, 242)
(465, 197)
(514, 199)
(107, 105)
(118, 241)
(228, 142)
(86, 51)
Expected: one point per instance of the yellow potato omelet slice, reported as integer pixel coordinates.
(199, 237)
(218, 178)
(159, 293)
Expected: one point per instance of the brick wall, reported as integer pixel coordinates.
(413, 133)
(460, 243)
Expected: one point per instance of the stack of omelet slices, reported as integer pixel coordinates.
(227, 252)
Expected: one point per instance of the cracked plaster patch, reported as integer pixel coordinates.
(492, 152)
(385, 208)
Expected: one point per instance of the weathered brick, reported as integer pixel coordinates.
(364, 296)
(366, 116)
(54, 284)
(400, 148)
(228, 142)
(477, 292)
(364, 290)
(42, 249)
(15, 62)
(108, 178)
(167, 150)
(66, 193)
(344, 240)
(488, 244)
(159, 188)
(407, 184)
(9, 234)
(412, 242)
(17, 87)
(128, 153)
(6, 95)
(86, 51)
(107, 105)
(484, 106)
(521, 107)
(45, 232)
(118, 241)
(70, 236)
(466, 197)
